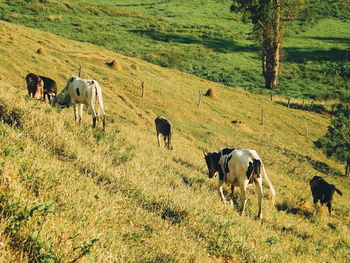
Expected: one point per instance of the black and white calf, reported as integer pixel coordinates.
(86, 92)
(238, 167)
(323, 192)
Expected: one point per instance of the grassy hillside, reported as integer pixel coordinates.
(68, 192)
(202, 38)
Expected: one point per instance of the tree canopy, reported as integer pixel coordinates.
(336, 142)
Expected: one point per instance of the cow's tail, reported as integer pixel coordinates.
(272, 189)
(338, 191)
(100, 103)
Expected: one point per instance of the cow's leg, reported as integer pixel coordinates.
(158, 137)
(165, 141)
(81, 112)
(243, 196)
(221, 191)
(329, 205)
(258, 184)
(232, 192)
(75, 108)
(94, 115)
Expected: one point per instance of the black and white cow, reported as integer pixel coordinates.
(323, 192)
(86, 92)
(238, 167)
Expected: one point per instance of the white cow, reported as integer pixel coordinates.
(239, 167)
(88, 92)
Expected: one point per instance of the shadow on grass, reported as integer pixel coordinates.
(216, 44)
(318, 108)
(300, 55)
(317, 165)
(293, 210)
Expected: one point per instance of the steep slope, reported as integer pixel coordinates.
(70, 192)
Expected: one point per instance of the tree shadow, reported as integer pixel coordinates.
(300, 55)
(318, 108)
(335, 40)
(216, 44)
(317, 165)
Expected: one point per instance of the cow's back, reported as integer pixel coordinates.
(49, 84)
(238, 164)
(163, 125)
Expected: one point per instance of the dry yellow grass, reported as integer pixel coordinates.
(142, 202)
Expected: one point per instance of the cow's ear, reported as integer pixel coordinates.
(72, 79)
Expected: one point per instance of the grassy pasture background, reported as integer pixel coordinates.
(203, 38)
(68, 192)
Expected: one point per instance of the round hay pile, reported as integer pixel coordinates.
(135, 67)
(115, 65)
(41, 51)
(210, 93)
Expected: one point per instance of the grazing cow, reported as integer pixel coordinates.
(62, 100)
(163, 126)
(238, 167)
(35, 86)
(88, 92)
(50, 87)
(323, 192)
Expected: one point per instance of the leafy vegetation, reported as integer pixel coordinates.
(336, 142)
(202, 38)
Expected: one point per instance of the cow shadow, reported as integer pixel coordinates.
(293, 210)
(216, 44)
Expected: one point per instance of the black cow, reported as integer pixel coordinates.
(163, 126)
(323, 192)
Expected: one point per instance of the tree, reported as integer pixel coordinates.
(268, 18)
(336, 142)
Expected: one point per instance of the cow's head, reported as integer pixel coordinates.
(212, 160)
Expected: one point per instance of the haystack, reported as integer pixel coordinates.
(210, 93)
(115, 65)
(135, 67)
(41, 51)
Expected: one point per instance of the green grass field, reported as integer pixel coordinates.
(202, 38)
(69, 193)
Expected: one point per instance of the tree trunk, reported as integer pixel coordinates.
(272, 41)
(347, 168)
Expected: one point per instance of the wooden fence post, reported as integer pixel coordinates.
(303, 104)
(288, 102)
(80, 70)
(307, 129)
(142, 89)
(262, 117)
(200, 99)
(271, 96)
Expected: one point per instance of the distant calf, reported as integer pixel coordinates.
(49, 86)
(323, 191)
(86, 92)
(163, 126)
(35, 86)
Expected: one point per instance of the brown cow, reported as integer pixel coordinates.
(163, 126)
(35, 86)
(50, 87)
